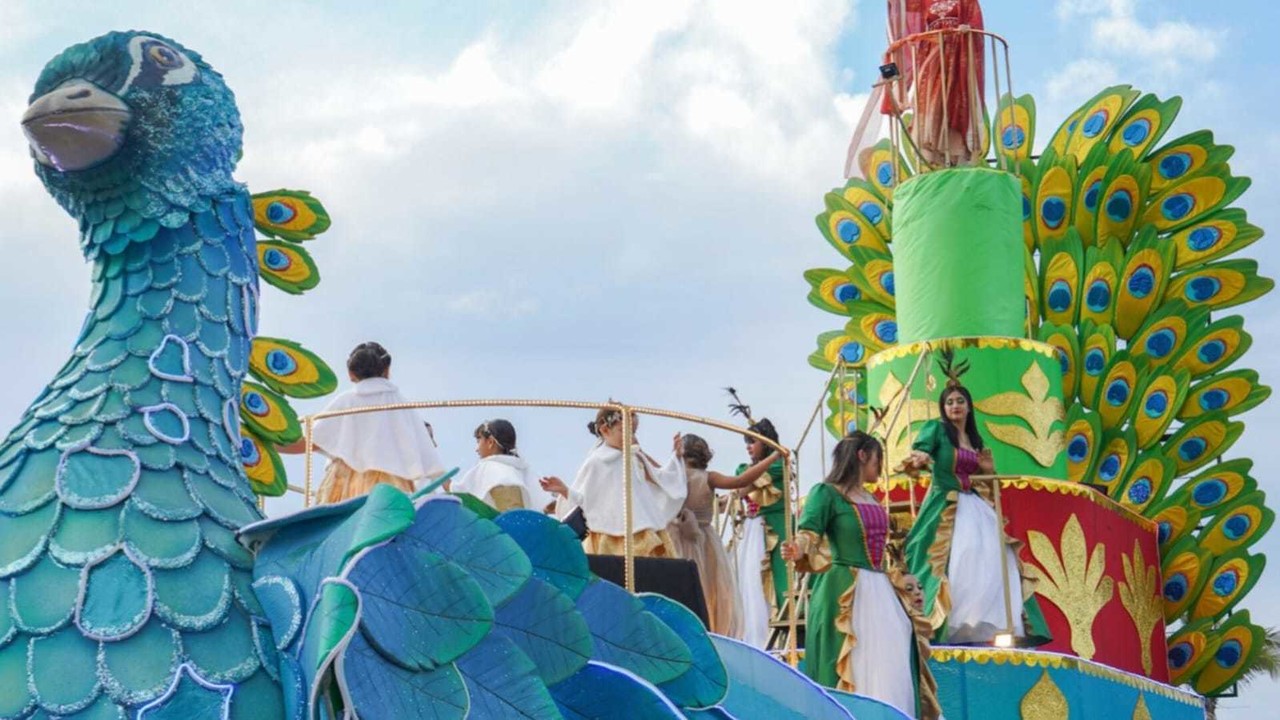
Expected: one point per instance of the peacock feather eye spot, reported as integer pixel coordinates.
(164, 56)
(1174, 165)
(1176, 207)
(1142, 282)
(1156, 405)
(1203, 238)
(275, 259)
(1064, 362)
(1164, 530)
(1214, 399)
(1140, 491)
(1091, 195)
(1013, 137)
(1180, 654)
(1229, 653)
(1078, 448)
(1175, 588)
(871, 211)
(249, 452)
(1026, 208)
(1098, 296)
(887, 331)
(1118, 392)
(1096, 123)
(852, 352)
(1202, 289)
(256, 404)
(1094, 361)
(886, 282)
(1053, 210)
(1209, 492)
(848, 231)
(279, 212)
(1160, 343)
(1237, 526)
(1120, 205)
(847, 293)
(1136, 132)
(1109, 468)
(1225, 583)
(884, 173)
(1059, 296)
(279, 362)
(1192, 448)
(1211, 351)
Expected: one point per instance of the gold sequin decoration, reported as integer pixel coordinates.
(1032, 658)
(997, 343)
(1138, 594)
(1074, 579)
(1035, 408)
(1044, 701)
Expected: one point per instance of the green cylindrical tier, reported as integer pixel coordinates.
(958, 255)
(1017, 393)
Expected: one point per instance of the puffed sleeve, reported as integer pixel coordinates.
(929, 438)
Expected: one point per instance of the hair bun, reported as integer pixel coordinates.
(591, 428)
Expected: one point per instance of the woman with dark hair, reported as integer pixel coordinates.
(658, 492)
(695, 539)
(951, 546)
(762, 573)
(861, 634)
(501, 478)
(364, 449)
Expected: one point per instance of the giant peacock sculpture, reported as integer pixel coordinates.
(1128, 271)
(140, 579)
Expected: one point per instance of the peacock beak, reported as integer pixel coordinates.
(75, 126)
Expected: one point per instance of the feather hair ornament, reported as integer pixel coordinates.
(737, 407)
(953, 370)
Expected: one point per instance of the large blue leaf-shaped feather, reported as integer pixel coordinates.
(865, 708)
(631, 637)
(706, 682)
(493, 560)
(545, 625)
(503, 682)
(381, 689)
(552, 548)
(599, 690)
(762, 686)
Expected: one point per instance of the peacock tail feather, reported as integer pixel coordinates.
(1132, 267)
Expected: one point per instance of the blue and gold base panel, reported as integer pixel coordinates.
(994, 684)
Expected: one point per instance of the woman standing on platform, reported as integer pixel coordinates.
(657, 493)
(501, 478)
(695, 539)
(954, 540)
(364, 449)
(860, 634)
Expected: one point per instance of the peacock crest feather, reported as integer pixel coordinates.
(1132, 260)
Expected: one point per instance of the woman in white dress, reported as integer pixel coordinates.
(501, 478)
(364, 449)
(658, 492)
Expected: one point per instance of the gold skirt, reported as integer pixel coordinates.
(342, 482)
(645, 543)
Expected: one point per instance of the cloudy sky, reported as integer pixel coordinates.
(585, 200)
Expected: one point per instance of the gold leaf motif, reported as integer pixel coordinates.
(1073, 579)
(1138, 594)
(899, 445)
(1035, 408)
(1140, 711)
(1044, 701)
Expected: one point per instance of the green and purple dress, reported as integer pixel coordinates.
(860, 634)
(950, 549)
(766, 494)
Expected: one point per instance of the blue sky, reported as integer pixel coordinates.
(584, 200)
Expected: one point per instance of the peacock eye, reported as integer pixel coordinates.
(164, 57)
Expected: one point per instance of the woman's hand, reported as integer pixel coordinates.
(986, 462)
(790, 551)
(554, 485)
(919, 460)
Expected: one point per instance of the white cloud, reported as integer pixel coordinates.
(1166, 45)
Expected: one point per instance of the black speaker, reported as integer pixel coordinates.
(676, 579)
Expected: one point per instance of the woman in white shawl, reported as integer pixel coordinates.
(501, 478)
(658, 492)
(364, 449)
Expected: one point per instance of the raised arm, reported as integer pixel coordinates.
(748, 476)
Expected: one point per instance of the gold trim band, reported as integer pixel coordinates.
(990, 341)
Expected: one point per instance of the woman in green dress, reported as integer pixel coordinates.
(954, 539)
(861, 634)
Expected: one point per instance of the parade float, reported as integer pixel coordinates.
(143, 581)
(1083, 291)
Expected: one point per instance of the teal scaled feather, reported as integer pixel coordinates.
(121, 488)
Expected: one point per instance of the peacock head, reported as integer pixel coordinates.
(130, 110)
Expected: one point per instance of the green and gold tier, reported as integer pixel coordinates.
(1017, 391)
